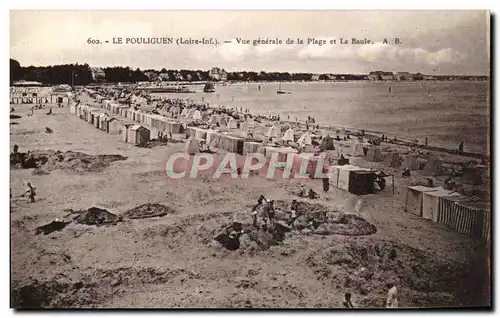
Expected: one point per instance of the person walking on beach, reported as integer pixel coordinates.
(392, 296)
(347, 301)
(326, 184)
(461, 147)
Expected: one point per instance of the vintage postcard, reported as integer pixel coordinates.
(250, 159)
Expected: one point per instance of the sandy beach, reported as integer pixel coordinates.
(173, 261)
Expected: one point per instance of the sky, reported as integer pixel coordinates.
(432, 42)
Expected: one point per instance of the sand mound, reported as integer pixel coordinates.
(364, 267)
(72, 161)
(323, 221)
(253, 238)
(148, 211)
(51, 227)
(97, 216)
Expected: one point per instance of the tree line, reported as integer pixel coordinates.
(82, 74)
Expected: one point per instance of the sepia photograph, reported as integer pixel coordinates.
(231, 159)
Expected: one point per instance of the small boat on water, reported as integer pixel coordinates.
(209, 87)
(280, 91)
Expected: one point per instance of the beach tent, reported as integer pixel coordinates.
(138, 134)
(466, 215)
(97, 120)
(393, 160)
(72, 108)
(244, 127)
(433, 167)
(210, 134)
(374, 154)
(190, 113)
(197, 115)
(232, 124)
(279, 160)
(327, 143)
(361, 182)
(305, 139)
(414, 197)
(125, 128)
(430, 202)
(340, 177)
(471, 176)
(192, 146)
(102, 121)
(273, 132)
(288, 136)
(93, 116)
(357, 150)
(200, 133)
(222, 121)
(106, 103)
(410, 162)
(214, 119)
(114, 126)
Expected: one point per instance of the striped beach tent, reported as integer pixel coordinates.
(466, 215)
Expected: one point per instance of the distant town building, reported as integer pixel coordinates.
(404, 76)
(151, 75)
(179, 77)
(163, 76)
(430, 78)
(381, 76)
(314, 77)
(98, 74)
(217, 74)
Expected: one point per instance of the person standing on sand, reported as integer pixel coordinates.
(426, 141)
(30, 191)
(347, 301)
(461, 147)
(326, 184)
(392, 296)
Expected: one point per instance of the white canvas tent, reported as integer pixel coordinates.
(430, 202)
(288, 136)
(410, 162)
(197, 115)
(414, 197)
(305, 139)
(339, 175)
(357, 150)
(273, 132)
(232, 124)
(214, 119)
(374, 154)
(190, 113)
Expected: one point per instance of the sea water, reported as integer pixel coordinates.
(444, 112)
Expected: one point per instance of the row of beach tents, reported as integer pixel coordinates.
(466, 215)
